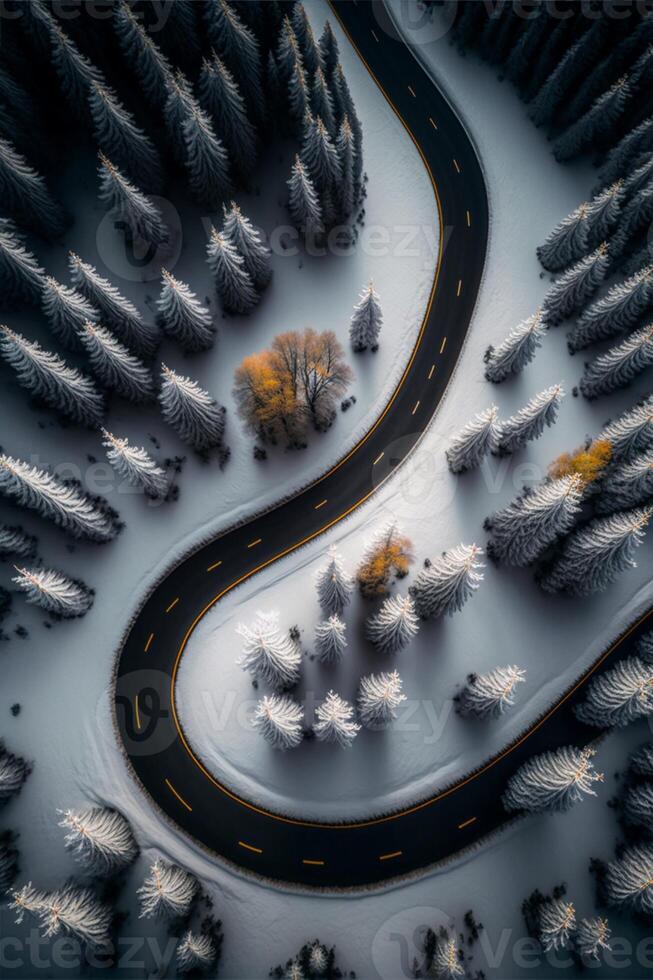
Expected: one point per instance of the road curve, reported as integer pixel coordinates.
(286, 849)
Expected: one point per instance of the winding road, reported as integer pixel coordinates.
(268, 844)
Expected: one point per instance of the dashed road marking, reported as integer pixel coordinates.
(388, 857)
(375, 37)
(443, 345)
(252, 544)
(172, 605)
(250, 847)
(469, 220)
(149, 642)
(216, 564)
(378, 459)
(317, 864)
(412, 91)
(456, 165)
(321, 504)
(137, 713)
(460, 286)
(431, 372)
(416, 407)
(466, 823)
(432, 121)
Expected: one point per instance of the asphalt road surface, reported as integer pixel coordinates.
(269, 844)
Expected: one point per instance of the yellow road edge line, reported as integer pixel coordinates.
(387, 857)
(374, 36)
(137, 713)
(432, 121)
(250, 847)
(321, 504)
(316, 863)
(378, 459)
(252, 544)
(178, 795)
(443, 345)
(466, 823)
(456, 164)
(215, 565)
(172, 605)
(469, 220)
(412, 91)
(416, 407)
(431, 372)
(149, 642)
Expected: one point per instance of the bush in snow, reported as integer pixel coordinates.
(394, 626)
(334, 586)
(516, 351)
(117, 135)
(335, 721)
(100, 839)
(220, 97)
(330, 639)
(389, 552)
(552, 781)
(269, 654)
(13, 773)
(531, 420)
(15, 543)
(167, 892)
(61, 596)
(529, 524)
(76, 911)
(25, 194)
(149, 64)
(444, 585)
(628, 882)
(195, 416)
(206, 160)
(471, 445)
(366, 321)
(182, 317)
(618, 696)
(135, 465)
(279, 720)
(313, 961)
(303, 202)
(379, 696)
(489, 695)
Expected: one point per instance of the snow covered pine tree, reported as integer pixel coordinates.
(489, 695)
(552, 781)
(335, 721)
(279, 720)
(61, 596)
(168, 891)
(100, 839)
(366, 321)
(444, 585)
(268, 654)
(472, 444)
(379, 696)
(334, 586)
(195, 416)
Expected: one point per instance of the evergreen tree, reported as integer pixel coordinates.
(100, 839)
(182, 317)
(334, 586)
(136, 466)
(638, 805)
(348, 191)
(445, 585)
(594, 556)
(303, 203)
(13, 773)
(529, 524)
(619, 366)
(8, 866)
(117, 135)
(598, 123)
(148, 62)
(621, 158)
(329, 49)
(574, 288)
(195, 416)
(335, 721)
(180, 103)
(645, 647)
(47, 377)
(129, 208)
(379, 696)
(629, 880)
(77, 912)
(249, 243)
(63, 597)
(76, 73)
(552, 781)
(27, 900)
(238, 47)
(641, 761)
(472, 444)
(576, 61)
(113, 365)
(330, 639)
(366, 320)
(620, 309)
(318, 958)
(221, 99)
(195, 951)
(15, 543)
(603, 211)
(446, 958)
(309, 48)
(344, 106)
(268, 654)
(556, 924)
(232, 280)
(21, 277)
(207, 162)
(618, 696)
(26, 196)
(517, 350)
(634, 225)
(321, 101)
(279, 720)
(298, 97)
(62, 503)
(167, 892)
(631, 433)
(568, 242)
(639, 178)
(66, 311)
(180, 33)
(530, 421)
(489, 695)
(394, 626)
(592, 938)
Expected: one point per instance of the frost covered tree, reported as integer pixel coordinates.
(394, 626)
(27, 901)
(620, 309)
(146, 59)
(62, 503)
(310, 50)
(220, 97)
(318, 958)
(249, 243)
(181, 315)
(303, 202)
(21, 277)
(552, 781)
(76, 72)
(568, 242)
(641, 761)
(517, 350)
(195, 951)
(631, 433)
(619, 366)
(446, 958)
(114, 366)
(634, 224)
(629, 880)
(645, 647)
(63, 597)
(120, 313)
(379, 696)
(167, 892)
(320, 157)
(66, 311)
(348, 191)
(556, 924)
(334, 586)
(604, 210)
(207, 162)
(238, 47)
(330, 639)
(76, 911)
(638, 805)
(129, 207)
(269, 654)
(117, 135)
(100, 839)
(15, 543)
(530, 421)
(279, 719)
(13, 773)
(471, 445)
(232, 280)
(50, 379)
(618, 696)
(596, 124)
(624, 155)
(576, 286)
(195, 416)
(523, 529)
(179, 104)
(136, 466)
(445, 585)
(8, 865)
(592, 937)
(595, 555)
(489, 695)
(322, 101)
(298, 96)
(366, 320)
(25, 194)
(329, 51)
(335, 721)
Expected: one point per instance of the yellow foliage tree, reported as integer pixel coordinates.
(391, 552)
(588, 463)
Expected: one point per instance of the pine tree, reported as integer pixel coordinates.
(27, 901)
(594, 556)
(634, 225)
(195, 416)
(113, 365)
(366, 320)
(379, 696)
(76, 72)
(629, 880)
(552, 781)
(447, 583)
(306, 39)
(221, 99)
(180, 103)
(13, 773)
(21, 277)
(335, 721)
(50, 379)
(63, 597)
(329, 49)
(556, 924)
(641, 761)
(344, 106)
(167, 892)
(232, 280)
(136, 466)
(303, 203)
(8, 866)
(130, 209)
(596, 125)
(620, 309)
(66, 311)
(322, 101)
(592, 937)
(179, 34)
(631, 433)
(15, 543)
(394, 626)
(330, 639)
(574, 288)
(604, 210)
(320, 157)
(120, 313)
(318, 959)
(568, 242)
(100, 839)
(619, 695)
(182, 317)
(238, 47)
(348, 191)
(279, 720)
(621, 157)
(446, 958)
(517, 350)
(638, 805)
(25, 194)
(249, 243)
(195, 951)
(619, 366)
(472, 444)
(530, 421)
(146, 59)
(207, 162)
(298, 97)
(577, 60)
(76, 911)
(117, 135)
(288, 52)
(268, 654)
(529, 524)
(334, 586)
(489, 695)
(63, 504)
